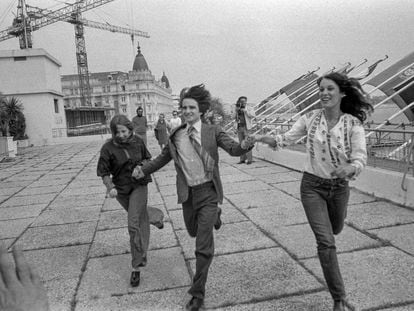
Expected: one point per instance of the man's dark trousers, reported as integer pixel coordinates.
(200, 215)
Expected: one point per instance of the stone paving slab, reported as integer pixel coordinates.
(281, 177)
(113, 219)
(28, 200)
(228, 179)
(292, 188)
(67, 216)
(299, 240)
(375, 277)
(321, 301)
(245, 187)
(243, 277)
(16, 212)
(6, 192)
(409, 307)
(154, 198)
(259, 199)
(61, 293)
(357, 197)
(41, 190)
(231, 238)
(169, 190)
(171, 203)
(48, 182)
(58, 235)
(284, 212)
(58, 263)
(13, 228)
(400, 236)
(259, 171)
(166, 300)
(111, 205)
(13, 184)
(165, 270)
(7, 242)
(97, 190)
(78, 201)
(116, 241)
(378, 214)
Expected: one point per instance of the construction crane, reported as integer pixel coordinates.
(31, 18)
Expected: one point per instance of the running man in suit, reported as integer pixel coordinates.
(194, 148)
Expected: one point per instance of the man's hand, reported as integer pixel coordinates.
(248, 142)
(138, 173)
(20, 287)
(344, 171)
(112, 193)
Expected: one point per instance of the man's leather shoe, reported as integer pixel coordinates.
(159, 225)
(135, 278)
(249, 162)
(339, 305)
(240, 162)
(218, 223)
(195, 304)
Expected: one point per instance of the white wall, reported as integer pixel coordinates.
(36, 82)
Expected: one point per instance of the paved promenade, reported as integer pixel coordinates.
(54, 206)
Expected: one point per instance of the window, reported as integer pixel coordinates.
(19, 58)
(108, 88)
(124, 108)
(123, 99)
(103, 89)
(56, 104)
(123, 87)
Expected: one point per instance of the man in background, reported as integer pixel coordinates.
(140, 124)
(244, 117)
(174, 122)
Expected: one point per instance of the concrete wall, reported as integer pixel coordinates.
(33, 76)
(376, 181)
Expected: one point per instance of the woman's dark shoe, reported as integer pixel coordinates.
(135, 278)
(159, 225)
(339, 305)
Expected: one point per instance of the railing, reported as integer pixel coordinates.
(387, 148)
(90, 129)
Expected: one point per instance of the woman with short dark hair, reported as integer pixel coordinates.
(118, 158)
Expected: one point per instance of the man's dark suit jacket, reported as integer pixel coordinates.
(212, 137)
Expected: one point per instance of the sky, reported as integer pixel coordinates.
(234, 47)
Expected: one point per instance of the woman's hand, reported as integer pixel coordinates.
(137, 173)
(344, 171)
(113, 193)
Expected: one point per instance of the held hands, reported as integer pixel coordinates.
(138, 173)
(20, 287)
(344, 171)
(112, 193)
(248, 142)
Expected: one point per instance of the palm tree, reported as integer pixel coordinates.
(11, 116)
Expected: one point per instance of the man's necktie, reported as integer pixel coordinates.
(207, 160)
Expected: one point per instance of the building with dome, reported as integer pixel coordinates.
(117, 92)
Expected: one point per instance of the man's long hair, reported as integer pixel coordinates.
(200, 95)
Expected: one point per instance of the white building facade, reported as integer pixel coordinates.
(124, 92)
(33, 76)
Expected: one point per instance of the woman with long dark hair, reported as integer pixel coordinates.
(336, 152)
(119, 156)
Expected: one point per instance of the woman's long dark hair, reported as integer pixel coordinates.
(355, 101)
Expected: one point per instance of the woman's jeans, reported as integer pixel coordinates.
(325, 202)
